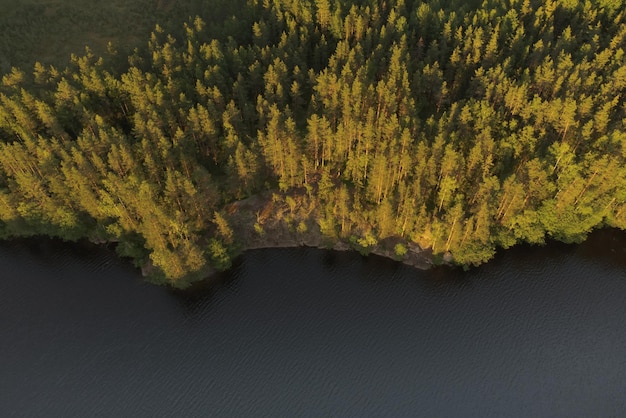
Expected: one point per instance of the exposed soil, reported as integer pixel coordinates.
(278, 225)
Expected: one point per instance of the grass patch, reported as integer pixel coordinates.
(49, 31)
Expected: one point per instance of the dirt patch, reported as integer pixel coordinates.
(276, 221)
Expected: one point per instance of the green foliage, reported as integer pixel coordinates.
(220, 258)
(462, 126)
(302, 228)
(400, 250)
(258, 228)
(365, 243)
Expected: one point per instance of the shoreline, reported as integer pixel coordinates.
(266, 221)
(420, 259)
(270, 220)
(416, 257)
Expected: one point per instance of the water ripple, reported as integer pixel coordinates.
(303, 332)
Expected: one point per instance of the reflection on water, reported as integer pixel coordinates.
(537, 332)
(606, 247)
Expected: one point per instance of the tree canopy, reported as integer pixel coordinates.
(460, 126)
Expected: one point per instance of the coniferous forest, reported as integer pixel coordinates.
(458, 126)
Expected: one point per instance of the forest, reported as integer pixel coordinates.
(459, 127)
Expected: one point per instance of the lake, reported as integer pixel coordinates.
(539, 331)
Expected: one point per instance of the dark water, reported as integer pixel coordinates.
(537, 332)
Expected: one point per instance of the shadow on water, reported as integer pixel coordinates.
(197, 299)
(606, 246)
(52, 251)
(331, 259)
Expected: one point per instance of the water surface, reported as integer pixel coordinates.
(303, 332)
